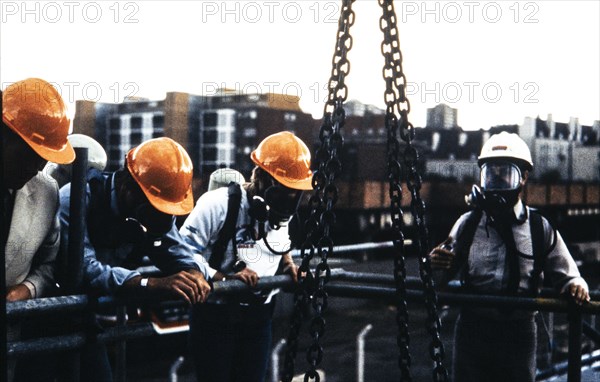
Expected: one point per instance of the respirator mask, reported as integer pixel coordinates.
(500, 187)
(146, 224)
(275, 209)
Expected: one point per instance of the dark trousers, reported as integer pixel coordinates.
(231, 342)
(487, 350)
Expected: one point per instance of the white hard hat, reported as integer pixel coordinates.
(507, 146)
(96, 154)
(223, 176)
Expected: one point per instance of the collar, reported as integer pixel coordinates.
(520, 212)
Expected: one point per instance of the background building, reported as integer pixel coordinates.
(217, 131)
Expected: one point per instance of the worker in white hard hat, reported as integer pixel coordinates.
(503, 247)
(63, 173)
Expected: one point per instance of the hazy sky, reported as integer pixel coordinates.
(497, 62)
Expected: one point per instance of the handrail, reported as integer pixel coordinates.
(74, 303)
(343, 284)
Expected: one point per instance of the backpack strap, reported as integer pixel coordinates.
(464, 240)
(538, 242)
(227, 232)
(98, 218)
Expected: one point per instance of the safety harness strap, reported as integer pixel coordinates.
(227, 232)
(536, 225)
(464, 240)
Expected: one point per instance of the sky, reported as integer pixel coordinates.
(497, 62)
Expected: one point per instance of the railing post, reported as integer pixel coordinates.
(360, 353)
(275, 360)
(3, 319)
(73, 264)
(121, 347)
(575, 332)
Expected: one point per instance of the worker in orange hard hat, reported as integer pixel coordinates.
(130, 214)
(34, 130)
(242, 233)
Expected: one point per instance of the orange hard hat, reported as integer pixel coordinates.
(163, 170)
(286, 158)
(34, 110)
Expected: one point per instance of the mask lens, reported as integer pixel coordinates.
(500, 176)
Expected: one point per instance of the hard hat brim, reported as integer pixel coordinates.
(304, 184)
(64, 156)
(172, 208)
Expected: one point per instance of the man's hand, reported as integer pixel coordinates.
(289, 267)
(579, 291)
(248, 276)
(188, 285)
(18, 292)
(442, 256)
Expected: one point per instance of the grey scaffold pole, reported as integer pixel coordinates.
(73, 267)
(575, 332)
(3, 317)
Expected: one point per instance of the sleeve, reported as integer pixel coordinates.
(42, 273)
(96, 275)
(201, 228)
(560, 267)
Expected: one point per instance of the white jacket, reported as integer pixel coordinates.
(34, 236)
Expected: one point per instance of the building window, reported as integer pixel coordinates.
(210, 154)
(289, 117)
(249, 132)
(158, 121)
(136, 123)
(135, 138)
(114, 124)
(114, 139)
(209, 120)
(209, 136)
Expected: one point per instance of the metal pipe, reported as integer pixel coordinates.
(360, 353)
(36, 307)
(575, 329)
(74, 266)
(174, 368)
(591, 333)
(350, 248)
(525, 303)
(275, 360)
(77, 340)
(562, 367)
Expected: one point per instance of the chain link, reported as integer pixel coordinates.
(397, 109)
(311, 287)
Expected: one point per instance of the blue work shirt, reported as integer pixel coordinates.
(106, 263)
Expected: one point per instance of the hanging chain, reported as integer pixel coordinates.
(397, 109)
(318, 226)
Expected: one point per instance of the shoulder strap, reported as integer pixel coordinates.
(227, 233)
(98, 215)
(464, 240)
(538, 243)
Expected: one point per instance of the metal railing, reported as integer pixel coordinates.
(343, 284)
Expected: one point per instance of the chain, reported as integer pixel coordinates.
(311, 287)
(397, 109)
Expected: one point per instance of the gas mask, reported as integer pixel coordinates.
(275, 209)
(500, 188)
